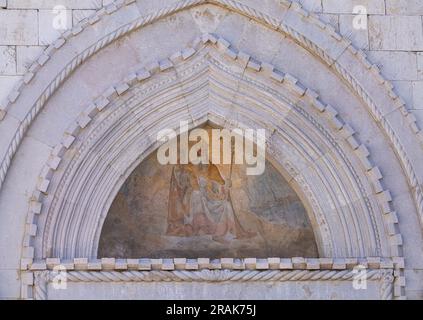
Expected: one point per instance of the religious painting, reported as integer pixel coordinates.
(206, 210)
(200, 204)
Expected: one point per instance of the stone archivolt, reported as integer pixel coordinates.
(338, 48)
(316, 150)
(201, 71)
(210, 82)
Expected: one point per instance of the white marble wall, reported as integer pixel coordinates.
(308, 290)
(393, 39)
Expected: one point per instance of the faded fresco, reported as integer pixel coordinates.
(200, 204)
(214, 211)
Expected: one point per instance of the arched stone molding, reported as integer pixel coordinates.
(72, 198)
(305, 28)
(93, 35)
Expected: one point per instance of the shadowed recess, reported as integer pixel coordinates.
(173, 211)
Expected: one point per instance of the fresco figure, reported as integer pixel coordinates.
(200, 204)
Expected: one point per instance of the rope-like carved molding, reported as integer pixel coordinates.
(224, 46)
(408, 167)
(326, 110)
(40, 290)
(243, 9)
(215, 275)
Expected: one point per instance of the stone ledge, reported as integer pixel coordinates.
(296, 263)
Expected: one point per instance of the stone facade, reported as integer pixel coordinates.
(342, 106)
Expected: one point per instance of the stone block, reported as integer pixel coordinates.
(215, 264)
(144, 264)
(250, 263)
(359, 37)
(386, 263)
(129, 264)
(52, 24)
(286, 264)
(18, 27)
(78, 15)
(52, 262)
(168, 265)
(299, 263)
(404, 7)
(326, 263)
(414, 278)
(7, 60)
(373, 262)
(347, 6)
(156, 264)
(192, 264)
(401, 33)
(405, 90)
(274, 263)
(80, 263)
(414, 294)
(239, 264)
(38, 266)
(417, 95)
(420, 65)
(25, 56)
(396, 65)
(339, 264)
(227, 263)
(313, 264)
(50, 4)
(7, 83)
(330, 19)
(419, 115)
(94, 265)
(312, 5)
(67, 264)
(262, 264)
(121, 264)
(180, 263)
(108, 263)
(10, 284)
(203, 263)
(351, 262)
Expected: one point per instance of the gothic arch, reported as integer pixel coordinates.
(82, 192)
(366, 221)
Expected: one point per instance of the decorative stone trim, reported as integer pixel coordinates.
(216, 270)
(193, 264)
(146, 264)
(100, 103)
(43, 278)
(328, 111)
(283, 26)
